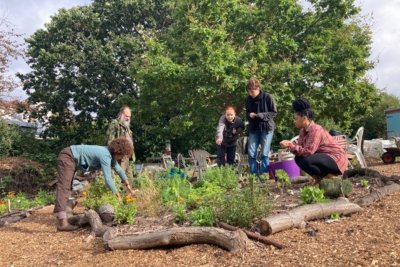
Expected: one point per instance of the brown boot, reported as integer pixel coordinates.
(63, 225)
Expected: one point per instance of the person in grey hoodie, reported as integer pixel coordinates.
(229, 129)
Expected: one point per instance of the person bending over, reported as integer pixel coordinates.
(84, 157)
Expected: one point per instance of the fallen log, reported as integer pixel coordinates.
(252, 235)
(98, 228)
(377, 194)
(232, 241)
(298, 216)
(13, 217)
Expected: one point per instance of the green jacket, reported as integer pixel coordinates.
(117, 129)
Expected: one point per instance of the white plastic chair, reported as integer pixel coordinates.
(354, 146)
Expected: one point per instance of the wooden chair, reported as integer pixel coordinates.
(202, 160)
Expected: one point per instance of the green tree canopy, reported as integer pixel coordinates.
(180, 62)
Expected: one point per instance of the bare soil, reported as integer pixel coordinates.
(369, 238)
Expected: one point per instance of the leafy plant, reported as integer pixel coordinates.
(8, 135)
(174, 189)
(364, 182)
(224, 177)
(311, 194)
(335, 215)
(125, 213)
(203, 216)
(283, 179)
(241, 206)
(180, 213)
(44, 198)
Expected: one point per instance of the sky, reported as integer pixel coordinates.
(27, 16)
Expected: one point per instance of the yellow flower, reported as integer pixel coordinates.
(84, 193)
(129, 199)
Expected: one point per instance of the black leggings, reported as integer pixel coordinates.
(230, 152)
(318, 164)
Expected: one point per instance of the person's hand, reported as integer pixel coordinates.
(129, 189)
(285, 143)
(118, 197)
(253, 115)
(218, 141)
(233, 130)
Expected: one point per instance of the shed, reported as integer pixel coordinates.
(393, 122)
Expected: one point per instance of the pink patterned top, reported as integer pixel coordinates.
(315, 139)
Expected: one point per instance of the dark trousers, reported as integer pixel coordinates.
(230, 152)
(318, 164)
(66, 167)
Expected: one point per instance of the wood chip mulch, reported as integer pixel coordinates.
(369, 238)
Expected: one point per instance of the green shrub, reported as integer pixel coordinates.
(175, 189)
(8, 135)
(44, 198)
(224, 177)
(207, 194)
(20, 202)
(311, 194)
(203, 216)
(125, 213)
(336, 187)
(241, 206)
(180, 213)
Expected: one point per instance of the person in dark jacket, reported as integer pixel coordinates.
(229, 129)
(260, 112)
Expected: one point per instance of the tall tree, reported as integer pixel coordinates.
(205, 58)
(10, 49)
(80, 64)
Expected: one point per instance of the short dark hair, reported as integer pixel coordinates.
(121, 146)
(253, 84)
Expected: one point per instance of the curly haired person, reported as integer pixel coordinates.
(84, 157)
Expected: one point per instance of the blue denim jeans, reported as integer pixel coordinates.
(264, 139)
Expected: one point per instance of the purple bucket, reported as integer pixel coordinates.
(289, 166)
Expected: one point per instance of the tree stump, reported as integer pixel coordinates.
(231, 241)
(298, 216)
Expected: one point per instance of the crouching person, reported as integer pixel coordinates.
(317, 153)
(84, 157)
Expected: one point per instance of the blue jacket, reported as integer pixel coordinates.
(98, 157)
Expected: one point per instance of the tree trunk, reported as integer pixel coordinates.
(298, 216)
(231, 241)
(377, 194)
(252, 235)
(95, 222)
